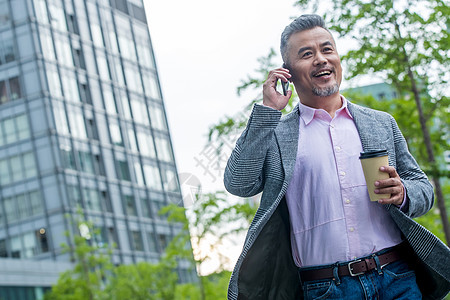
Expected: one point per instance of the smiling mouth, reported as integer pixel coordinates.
(322, 73)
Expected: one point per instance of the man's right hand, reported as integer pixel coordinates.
(271, 97)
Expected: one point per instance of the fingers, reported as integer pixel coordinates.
(393, 186)
(271, 97)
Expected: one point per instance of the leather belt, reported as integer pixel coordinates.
(352, 268)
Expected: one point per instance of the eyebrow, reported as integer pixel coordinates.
(303, 49)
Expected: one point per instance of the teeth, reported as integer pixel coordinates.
(323, 73)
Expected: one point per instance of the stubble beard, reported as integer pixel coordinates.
(325, 92)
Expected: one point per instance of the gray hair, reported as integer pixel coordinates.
(304, 22)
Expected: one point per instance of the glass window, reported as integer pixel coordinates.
(86, 163)
(59, 112)
(70, 86)
(145, 56)
(143, 45)
(91, 129)
(14, 88)
(139, 111)
(157, 116)
(152, 177)
(118, 72)
(112, 40)
(29, 165)
(97, 36)
(29, 243)
(130, 206)
(74, 196)
(3, 92)
(146, 146)
(10, 90)
(4, 14)
(47, 44)
(163, 148)
(17, 171)
(151, 86)
(54, 84)
(145, 211)
(22, 206)
(63, 51)
(89, 59)
(22, 127)
(133, 79)
(4, 172)
(3, 250)
(9, 130)
(137, 241)
(170, 180)
(163, 241)
(98, 164)
(92, 199)
(16, 246)
(132, 140)
(36, 203)
(138, 173)
(41, 11)
(57, 17)
(123, 170)
(77, 126)
(106, 201)
(103, 70)
(110, 103)
(125, 105)
(7, 53)
(10, 209)
(116, 136)
(151, 242)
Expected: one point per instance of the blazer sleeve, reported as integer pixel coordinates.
(419, 190)
(244, 173)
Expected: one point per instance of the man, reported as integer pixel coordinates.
(316, 233)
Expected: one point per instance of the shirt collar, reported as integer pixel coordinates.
(308, 113)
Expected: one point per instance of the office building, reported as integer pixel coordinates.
(82, 124)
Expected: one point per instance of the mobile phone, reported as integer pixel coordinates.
(285, 85)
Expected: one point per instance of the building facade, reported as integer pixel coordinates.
(82, 125)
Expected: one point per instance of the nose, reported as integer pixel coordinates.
(320, 59)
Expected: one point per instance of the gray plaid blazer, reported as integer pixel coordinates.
(263, 161)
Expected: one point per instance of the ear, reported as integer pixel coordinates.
(286, 67)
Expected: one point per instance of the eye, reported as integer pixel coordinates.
(306, 54)
(327, 49)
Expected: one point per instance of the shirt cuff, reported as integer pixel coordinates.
(405, 204)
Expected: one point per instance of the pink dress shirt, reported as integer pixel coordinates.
(332, 218)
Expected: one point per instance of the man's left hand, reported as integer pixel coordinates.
(393, 185)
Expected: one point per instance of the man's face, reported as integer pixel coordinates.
(314, 63)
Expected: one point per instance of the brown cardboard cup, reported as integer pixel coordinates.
(371, 163)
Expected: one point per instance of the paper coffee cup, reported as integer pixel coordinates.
(371, 163)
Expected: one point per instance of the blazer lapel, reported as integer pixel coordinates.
(287, 137)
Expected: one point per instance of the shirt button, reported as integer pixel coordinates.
(338, 148)
(342, 173)
(352, 229)
(347, 201)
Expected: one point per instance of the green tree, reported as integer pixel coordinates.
(406, 42)
(92, 264)
(144, 281)
(207, 224)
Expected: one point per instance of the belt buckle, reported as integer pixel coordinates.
(350, 269)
